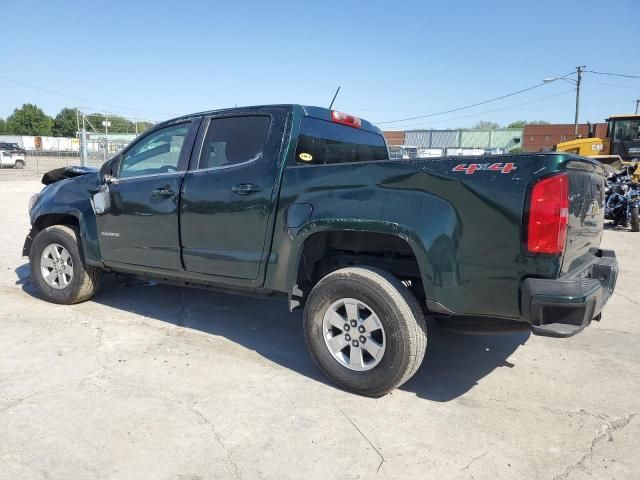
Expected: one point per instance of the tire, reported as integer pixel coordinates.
(83, 282)
(19, 164)
(635, 220)
(400, 319)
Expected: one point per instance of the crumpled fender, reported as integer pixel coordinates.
(70, 196)
(58, 174)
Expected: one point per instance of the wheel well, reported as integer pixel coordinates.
(325, 252)
(50, 219)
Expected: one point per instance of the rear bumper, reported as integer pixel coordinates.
(565, 306)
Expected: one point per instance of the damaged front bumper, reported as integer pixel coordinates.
(26, 247)
(565, 306)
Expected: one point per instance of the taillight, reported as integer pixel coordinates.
(346, 119)
(548, 215)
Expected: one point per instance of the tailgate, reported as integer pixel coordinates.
(586, 212)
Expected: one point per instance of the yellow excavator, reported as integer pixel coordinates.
(619, 148)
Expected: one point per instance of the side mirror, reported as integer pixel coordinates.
(108, 170)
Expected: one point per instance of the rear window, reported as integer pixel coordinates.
(322, 142)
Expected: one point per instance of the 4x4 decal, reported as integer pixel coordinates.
(474, 167)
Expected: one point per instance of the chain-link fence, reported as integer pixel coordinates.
(38, 162)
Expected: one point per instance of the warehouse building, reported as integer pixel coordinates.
(436, 143)
(95, 142)
(503, 139)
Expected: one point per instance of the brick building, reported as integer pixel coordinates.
(543, 137)
(394, 137)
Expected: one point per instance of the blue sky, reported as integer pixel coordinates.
(154, 59)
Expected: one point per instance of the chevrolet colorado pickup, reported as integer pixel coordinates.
(305, 202)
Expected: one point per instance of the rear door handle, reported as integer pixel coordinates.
(245, 188)
(163, 192)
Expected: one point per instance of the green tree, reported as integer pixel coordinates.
(29, 120)
(142, 126)
(118, 124)
(524, 123)
(518, 124)
(485, 125)
(66, 123)
(3, 126)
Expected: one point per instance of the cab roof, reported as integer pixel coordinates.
(306, 110)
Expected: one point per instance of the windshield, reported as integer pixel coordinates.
(627, 130)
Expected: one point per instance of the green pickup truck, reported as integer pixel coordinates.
(305, 202)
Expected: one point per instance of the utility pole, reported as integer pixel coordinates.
(83, 140)
(579, 71)
(106, 135)
(77, 121)
(637, 104)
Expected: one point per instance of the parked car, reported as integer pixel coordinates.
(8, 159)
(304, 202)
(13, 148)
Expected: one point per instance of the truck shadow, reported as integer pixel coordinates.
(453, 365)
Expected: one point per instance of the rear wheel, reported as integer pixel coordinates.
(634, 219)
(58, 269)
(365, 330)
(19, 164)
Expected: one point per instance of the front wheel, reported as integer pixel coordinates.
(58, 269)
(634, 219)
(365, 330)
(19, 164)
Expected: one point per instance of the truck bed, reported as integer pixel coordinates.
(462, 216)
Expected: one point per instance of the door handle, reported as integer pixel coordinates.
(245, 188)
(163, 192)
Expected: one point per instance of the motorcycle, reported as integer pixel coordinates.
(622, 199)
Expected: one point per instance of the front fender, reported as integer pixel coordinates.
(68, 198)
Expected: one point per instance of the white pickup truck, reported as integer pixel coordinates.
(11, 160)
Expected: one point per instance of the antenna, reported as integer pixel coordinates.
(334, 98)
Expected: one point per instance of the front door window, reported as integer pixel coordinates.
(157, 153)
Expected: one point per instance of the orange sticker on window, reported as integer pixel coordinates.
(305, 157)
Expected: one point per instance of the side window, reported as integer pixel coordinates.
(234, 140)
(158, 152)
(323, 142)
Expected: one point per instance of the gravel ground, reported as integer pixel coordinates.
(158, 382)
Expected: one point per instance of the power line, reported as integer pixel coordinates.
(82, 99)
(613, 74)
(618, 86)
(472, 105)
(494, 110)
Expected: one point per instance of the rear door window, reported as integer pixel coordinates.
(324, 142)
(234, 140)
